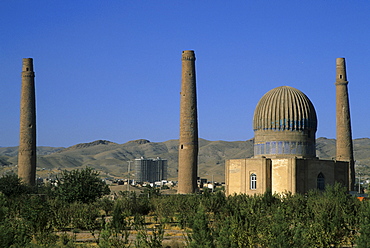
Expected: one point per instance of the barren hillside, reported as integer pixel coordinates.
(112, 159)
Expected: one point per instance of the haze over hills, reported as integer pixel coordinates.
(112, 159)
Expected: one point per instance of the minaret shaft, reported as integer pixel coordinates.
(344, 146)
(27, 137)
(188, 143)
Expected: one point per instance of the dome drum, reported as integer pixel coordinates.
(276, 149)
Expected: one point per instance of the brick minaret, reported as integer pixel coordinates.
(344, 133)
(188, 144)
(27, 141)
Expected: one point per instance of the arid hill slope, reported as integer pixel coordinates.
(112, 159)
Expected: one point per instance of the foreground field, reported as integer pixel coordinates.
(80, 212)
(173, 236)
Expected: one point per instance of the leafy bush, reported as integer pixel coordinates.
(81, 186)
(12, 186)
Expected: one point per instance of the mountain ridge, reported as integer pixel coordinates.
(112, 158)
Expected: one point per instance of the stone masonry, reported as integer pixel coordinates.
(27, 141)
(344, 145)
(188, 143)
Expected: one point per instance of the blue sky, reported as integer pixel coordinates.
(112, 69)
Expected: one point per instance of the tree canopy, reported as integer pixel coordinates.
(12, 186)
(83, 185)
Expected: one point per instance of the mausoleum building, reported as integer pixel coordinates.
(284, 160)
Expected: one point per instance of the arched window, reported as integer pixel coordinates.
(253, 181)
(321, 181)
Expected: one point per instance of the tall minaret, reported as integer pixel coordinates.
(27, 140)
(188, 145)
(344, 133)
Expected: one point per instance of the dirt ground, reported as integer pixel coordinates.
(173, 237)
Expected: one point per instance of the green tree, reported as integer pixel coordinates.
(201, 234)
(109, 239)
(12, 186)
(332, 217)
(82, 185)
(106, 204)
(62, 213)
(120, 222)
(13, 231)
(84, 216)
(146, 238)
(36, 211)
(363, 240)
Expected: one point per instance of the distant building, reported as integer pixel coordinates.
(150, 170)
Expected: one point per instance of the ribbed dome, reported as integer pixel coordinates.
(285, 108)
(284, 124)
